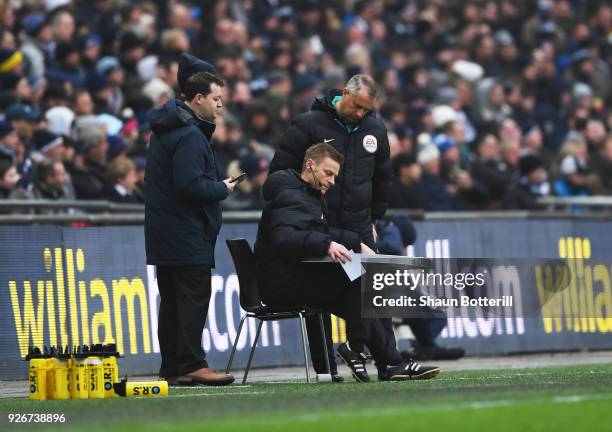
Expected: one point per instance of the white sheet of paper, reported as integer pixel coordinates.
(353, 268)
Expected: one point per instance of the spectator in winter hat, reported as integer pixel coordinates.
(37, 43)
(59, 120)
(531, 184)
(404, 192)
(11, 146)
(49, 144)
(24, 119)
(10, 60)
(189, 65)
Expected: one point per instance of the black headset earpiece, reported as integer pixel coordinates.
(314, 176)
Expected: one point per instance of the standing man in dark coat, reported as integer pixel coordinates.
(183, 218)
(345, 119)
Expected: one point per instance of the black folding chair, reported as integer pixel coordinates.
(244, 262)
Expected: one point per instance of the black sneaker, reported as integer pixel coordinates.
(354, 360)
(408, 370)
(337, 378)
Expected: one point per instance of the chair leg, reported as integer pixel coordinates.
(231, 359)
(304, 343)
(246, 372)
(325, 352)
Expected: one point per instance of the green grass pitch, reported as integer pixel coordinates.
(576, 398)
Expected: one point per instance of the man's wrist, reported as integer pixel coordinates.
(326, 245)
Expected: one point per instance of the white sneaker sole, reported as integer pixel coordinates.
(422, 376)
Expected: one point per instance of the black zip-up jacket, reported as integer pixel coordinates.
(182, 189)
(292, 227)
(362, 187)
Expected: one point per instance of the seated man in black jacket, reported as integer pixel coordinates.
(293, 227)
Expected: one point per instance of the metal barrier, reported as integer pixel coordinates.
(69, 206)
(585, 203)
(98, 212)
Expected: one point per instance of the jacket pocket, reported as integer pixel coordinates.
(212, 222)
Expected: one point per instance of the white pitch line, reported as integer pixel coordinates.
(218, 394)
(208, 387)
(513, 375)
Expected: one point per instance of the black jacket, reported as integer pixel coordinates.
(497, 176)
(182, 189)
(292, 227)
(113, 195)
(522, 196)
(362, 187)
(89, 181)
(404, 196)
(437, 198)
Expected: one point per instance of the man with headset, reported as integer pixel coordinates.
(293, 226)
(346, 120)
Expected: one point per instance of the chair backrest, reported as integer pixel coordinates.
(244, 262)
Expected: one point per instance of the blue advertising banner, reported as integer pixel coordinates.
(587, 241)
(73, 286)
(70, 286)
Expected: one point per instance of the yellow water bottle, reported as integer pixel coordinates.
(141, 389)
(95, 373)
(79, 385)
(48, 352)
(60, 373)
(37, 374)
(111, 369)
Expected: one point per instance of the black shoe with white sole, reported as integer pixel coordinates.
(408, 370)
(355, 361)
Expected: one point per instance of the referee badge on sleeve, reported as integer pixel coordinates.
(370, 144)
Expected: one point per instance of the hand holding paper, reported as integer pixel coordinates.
(353, 268)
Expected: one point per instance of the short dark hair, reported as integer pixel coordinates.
(201, 82)
(320, 151)
(46, 169)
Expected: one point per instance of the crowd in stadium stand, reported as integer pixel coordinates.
(488, 104)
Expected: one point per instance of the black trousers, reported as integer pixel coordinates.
(380, 329)
(315, 339)
(185, 296)
(325, 286)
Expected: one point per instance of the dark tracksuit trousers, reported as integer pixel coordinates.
(325, 286)
(380, 329)
(185, 295)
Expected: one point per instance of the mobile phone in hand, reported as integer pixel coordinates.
(240, 178)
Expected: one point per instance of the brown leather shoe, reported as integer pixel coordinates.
(206, 376)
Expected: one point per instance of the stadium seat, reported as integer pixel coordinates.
(250, 301)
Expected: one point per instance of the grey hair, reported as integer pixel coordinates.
(359, 81)
(90, 136)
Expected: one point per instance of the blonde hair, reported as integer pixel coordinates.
(320, 151)
(171, 38)
(119, 168)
